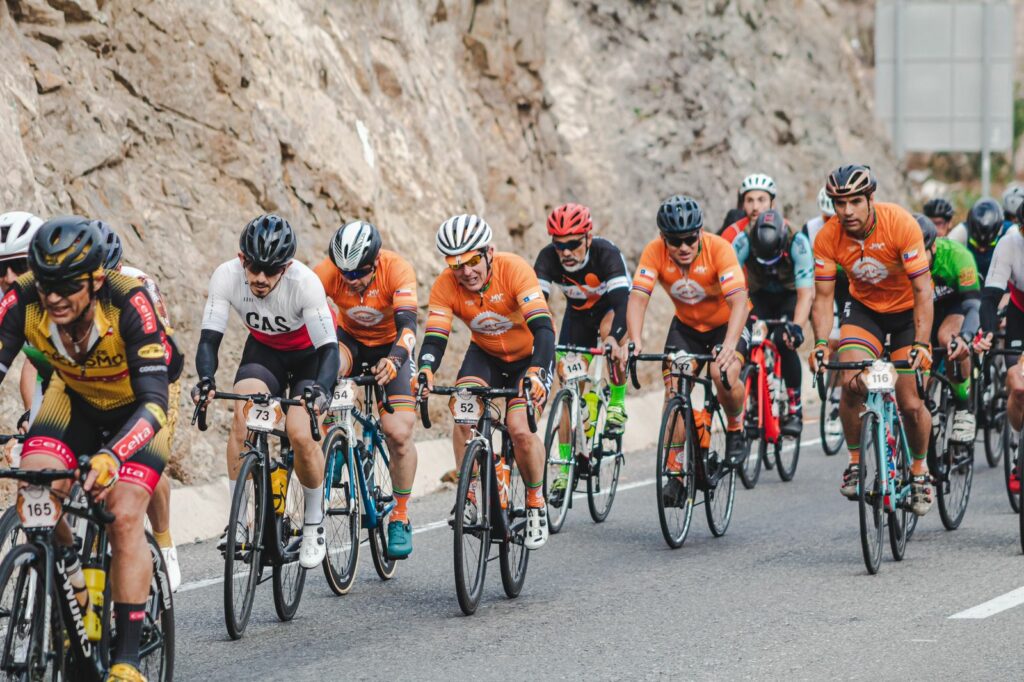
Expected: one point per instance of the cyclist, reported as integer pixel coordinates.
(940, 211)
(112, 361)
(957, 301)
(499, 298)
(880, 247)
(291, 345)
(981, 232)
(780, 279)
(375, 292)
(757, 194)
(825, 211)
(699, 271)
(1013, 197)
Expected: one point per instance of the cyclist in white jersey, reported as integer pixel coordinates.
(813, 226)
(292, 345)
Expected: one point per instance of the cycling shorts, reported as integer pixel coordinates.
(871, 331)
(480, 368)
(278, 369)
(681, 337)
(583, 327)
(362, 359)
(943, 309)
(772, 306)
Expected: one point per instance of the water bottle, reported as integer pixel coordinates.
(279, 487)
(590, 414)
(502, 473)
(95, 581)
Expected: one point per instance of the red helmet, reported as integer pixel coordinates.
(569, 219)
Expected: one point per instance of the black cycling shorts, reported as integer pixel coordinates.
(480, 368)
(681, 337)
(943, 309)
(583, 327)
(863, 328)
(363, 358)
(294, 369)
(773, 306)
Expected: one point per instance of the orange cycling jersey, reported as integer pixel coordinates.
(699, 293)
(370, 317)
(498, 315)
(880, 266)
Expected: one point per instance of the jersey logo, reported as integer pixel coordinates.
(364, 315)
(254, 320)
(134, 440)
(699, 269)
(967, 278)
(877, 246)
(688, 291)
(869, 270)
(151, 351)
(8, 302)
(496, 298)
(490, 323)
(909, 255)
(144, 308)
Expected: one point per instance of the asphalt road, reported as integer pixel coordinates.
(784, 594)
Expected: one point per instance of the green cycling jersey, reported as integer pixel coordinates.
(953, 270)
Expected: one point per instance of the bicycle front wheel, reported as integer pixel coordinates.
(242, 548)
(829, 424)
(341, 515)
(720, 493)
(472, 526)
(605, 466)
(156, 646)
(674, 476)
(901, 517)
(559, 459)
(512, 554)
(24, 616)
(992, 414)
(955, 469)
(750, 471)
(869, 494)
(10, 530)
(290, 576)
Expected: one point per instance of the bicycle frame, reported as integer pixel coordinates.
(274, 549)
(883, 404)
(768, 422)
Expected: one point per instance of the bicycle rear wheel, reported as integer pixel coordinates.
(472, 526)
(869, 494)
(513, 556)
(24, 614)
(382, 496)
(156, 646)
(786, 448)
(992, 414)
(750, 471)
(242, 549)
(341, 515)
(901, 517)
(605, 466)
(954, 471)
(1011, 450)
(719, 499)
(674, 476)
(559, 472)
(290, 577)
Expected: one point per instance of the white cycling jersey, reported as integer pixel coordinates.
(959, 234)
(814, 226)
(293, 316)
(1007, 261)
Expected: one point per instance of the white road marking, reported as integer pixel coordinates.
(993, 606)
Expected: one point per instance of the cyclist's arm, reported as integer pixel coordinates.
(970, 306)
(316, 315)
(822, 315)
(27, 384)
(438, 327)
(737, 302)
(968, 291)
(803, 275)
(12, 326)
(640, 296)
(990, 297)
(741, 245)
(545, 273)
(405, 305)
(215, 322)
(617, 295)
(924, 308)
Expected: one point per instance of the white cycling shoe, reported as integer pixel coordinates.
(536, 527)
(314, 546)
(173, 569)
(964, 429)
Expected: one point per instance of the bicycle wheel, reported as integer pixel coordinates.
(829, 425)
(787, 448)
(869, 495)
(900, 518)
(382, 496)
(24, 611)
(1021, 516)
(750, 471)
(955, 470)
(993, 411)
(1012, 451)
(472, 536)
(674, 480)
(559, 472)
(290, 577)
(242, 549)
(10, 530)
(718, 500)
(341, 515)
(513, 556)
(156, 646)
(605, 467)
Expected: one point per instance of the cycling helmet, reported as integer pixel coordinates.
(569, 219)
(16, 230)
(112, 243)
(680, 214)
(66, 248)
(825, 203)
(984, 221)
(850, 181)
(758, 181)
(463, 233)
(938, 208)
(1013, 197)
(928, 230)
(268, 242)
(354, 246)
(768, 237)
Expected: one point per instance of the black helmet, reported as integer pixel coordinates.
(938, 208)
(928, 230)
(680, 214)
(66, 248)
(113, 245)
(984, 221)
(268, 242)
(851, 180)
(768, 237)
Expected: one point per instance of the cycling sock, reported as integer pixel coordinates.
(401, 510)
(961, 393)
(564, 453)
(535, 495)
(733, 422)
(794, 400)
(163, 538)
(854, 453)
(129, 619)
(617, 394)
(314, 498)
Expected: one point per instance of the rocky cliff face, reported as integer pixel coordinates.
(178, 122)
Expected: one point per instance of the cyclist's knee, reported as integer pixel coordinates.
(399, 426)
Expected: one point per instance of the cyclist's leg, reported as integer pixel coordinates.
(159, 509)
(917, 421)
(529, 456)
(398, 429)
(679, 338)
(477, 370)
(860, 338)
(616, 374)
(946, 327)
(731, 399)
(259, 371)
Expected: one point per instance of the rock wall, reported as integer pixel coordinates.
(178, 122)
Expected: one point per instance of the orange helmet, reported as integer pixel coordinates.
(569, 219)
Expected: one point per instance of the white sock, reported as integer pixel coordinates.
(231, 489)
(314, 498)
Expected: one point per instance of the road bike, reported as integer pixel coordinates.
(988, 372)
(951, 464)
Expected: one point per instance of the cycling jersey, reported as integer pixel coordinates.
(1006, 272)
(795, 270)
(982, 258)
(953, 270)
(730, 233)
(154, 294)
(880, 266)
(812, 227)
(699, 293)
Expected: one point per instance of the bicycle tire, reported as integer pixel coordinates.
(513, 557)
(554, 465)
(831, 443)
(251, 486)
(786, 450)
(1010, 460)
(1020, 515)
(674, 519)
(954, 472)
(750, 470)
(869, 497)
(469, 577)
(899, 519)
(605, 467)
(289, 578)
(10, 530)
(993, 411)
(382, 495)
(158, 626)
(719, 500)
(25, 566)
(341, 515)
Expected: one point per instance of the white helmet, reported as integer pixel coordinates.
(463, 233)
(1013, 197)
(355, 245)
(16, 231)
(825, 203)
(758, 181)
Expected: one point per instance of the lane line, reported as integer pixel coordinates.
(992, 606)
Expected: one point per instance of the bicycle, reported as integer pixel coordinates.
(490, 502)
(951, 464)
(988, 372)
(357, 483)
(765, 403)
(267, 510)
(579, 420)
(829, 425)
(700, 454)
(50, 627)
(884, 485)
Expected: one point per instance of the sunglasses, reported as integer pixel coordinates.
(18, 265)
(353, 275)
(269, 271)
(568, 246)
(63, 289)
(469, 262)
(676, 242)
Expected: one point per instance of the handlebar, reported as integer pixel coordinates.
(199, 414)
(572, 348)
(667, 357)
(378, 391)
(480, 392)
(46, 477)
(864, 364)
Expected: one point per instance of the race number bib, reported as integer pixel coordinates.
(38, 507)
(265, 418)
(880, 376)
(573, 366)
(344, 396)
(467, 408)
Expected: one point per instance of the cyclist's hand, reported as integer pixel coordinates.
(794, 335)
(103, 473)
(818, 357)
(638, 346)
(23, 421)
(538, 387)
(206, 387)
(386, 370)
(726, 357)
(618, 355)
(921, 357)
(983, 343)
(321, 399)
(956, 348)
(425, 386)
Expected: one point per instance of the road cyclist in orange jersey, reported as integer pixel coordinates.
(497, 295)
(881, 249)
(375, 292)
